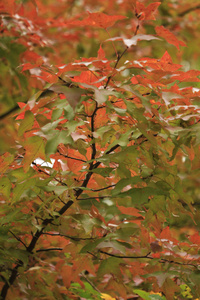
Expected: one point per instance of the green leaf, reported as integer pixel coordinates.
(123, 183)
(105, 172)
(27, 123)
(5, 186)
(141, 195)
(91, 245)
(34, 147)
(68, 112)
(58, 138)
(21, 188)
(110, 265)
(142, 294)
(102, 95)
(57, 113)
(58, 190)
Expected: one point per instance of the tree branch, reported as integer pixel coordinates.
(49, 249)
(18, 239)
(104, 188)
(74, 238)
(187, 11)
(115, 66)
(67, 156)
(124, 256)
(162, 260)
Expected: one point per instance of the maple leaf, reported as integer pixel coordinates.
(99, 20)
(132, 211)
(169, 36)
(34, 147)
(146, 13)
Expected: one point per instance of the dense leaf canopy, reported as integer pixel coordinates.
(99, 145)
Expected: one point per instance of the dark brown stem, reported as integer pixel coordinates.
(104, 188)
(115, 66)
(74, 158)
(73, 238)
(187, 11)
(49, 249)
(124, 256)
(18, 239)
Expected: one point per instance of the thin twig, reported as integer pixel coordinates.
(162, 260)
(18, 239)
(183, 13)
(115, 66)
(92, 285)
(49, 249)
(104, 188)
(99, 197)
(124, 256)
(74, 158)
(68, 236)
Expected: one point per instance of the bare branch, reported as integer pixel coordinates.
(115, 66)
(49, 249)
(124, 256)
(74, 158)
(74, 238)
(92, 285)
(104, 188)
(162, 260)
(18, 239)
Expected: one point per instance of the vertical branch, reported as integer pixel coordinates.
(92, 120)
(115, 66)
(120, 56)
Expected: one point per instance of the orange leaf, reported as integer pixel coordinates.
(87, 77)
(101, 53)
(151, 10)
(146, 13)
(195, 238)
(169, 36)
(5, 160)
(99, 20)
(132, 211)
(50, 78)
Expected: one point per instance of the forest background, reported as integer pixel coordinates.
(99, 145)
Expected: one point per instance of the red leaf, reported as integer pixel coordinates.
(32, 57)
(169, 36)
(101, 53)
(28, 66)
(195, 238)
(95, 213)
(132, 211)
(151, 10)
(99, 20)
(50, 78)
(21, 104)
(166, 234)
(87, 77)
(146, 13)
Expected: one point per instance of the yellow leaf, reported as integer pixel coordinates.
(107, 297)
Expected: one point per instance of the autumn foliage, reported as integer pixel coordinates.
(99, 165)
